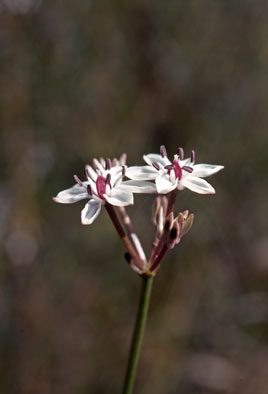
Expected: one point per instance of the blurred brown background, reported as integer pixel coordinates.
(97, 78)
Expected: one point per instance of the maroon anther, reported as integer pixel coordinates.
(163, 151)
(192, 156)
(77, 180)
(169, 167)
(108, 179)
(156, 165)
(188, 169)
(108, 164)
(89, 190)
(180, 153)
(86, 173)
(123, 170)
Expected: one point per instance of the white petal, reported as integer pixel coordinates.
(204, 170)
(116, 175)
(139, 186)
(74, 194)
(98, 165)
(154, 157)
(120, 197)
(91, 172)
(90, 212)
(164, 185)
(185, 162)
(197, 185)
(141, 173)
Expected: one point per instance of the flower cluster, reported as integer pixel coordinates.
(104, 185)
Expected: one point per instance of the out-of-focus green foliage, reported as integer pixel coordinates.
(97, 78)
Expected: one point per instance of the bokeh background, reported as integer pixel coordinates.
(98, 78)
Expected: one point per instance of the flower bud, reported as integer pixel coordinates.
(159, 212)
(169, 222)
(155, 209)
(174, 235)
(187, 225)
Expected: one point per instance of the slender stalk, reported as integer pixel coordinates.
(171, 201)
(131, 232)
(123, 236)
(158, 258)
(141, 318)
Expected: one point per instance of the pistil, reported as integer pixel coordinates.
(101, 186)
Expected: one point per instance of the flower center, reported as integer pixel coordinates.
(101, 186)
(177, 169)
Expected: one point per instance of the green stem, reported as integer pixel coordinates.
(146, 290)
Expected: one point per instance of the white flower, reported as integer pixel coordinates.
(179, 173)
(104, 184)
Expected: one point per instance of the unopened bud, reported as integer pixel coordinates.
(164, 204)
(160, 220)
(187, 225)
(155, 209)
(185, 214)
(174, 235)
(169, 222)
(180, 220)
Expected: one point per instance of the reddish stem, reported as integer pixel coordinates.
(171, 201)
(158, 259)
(123, 236)
(131, 232)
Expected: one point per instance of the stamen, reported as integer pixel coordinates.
(193, 156)
(86, 173)
(108, 164)
(169, 167)
(102, 161)
(180, 153)
(123, 170)
(123, 159)
(95, 164)
(163, 151)
(188, 169)
(108, 179)
(77, 180)
(156, 165)
(89, 190)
